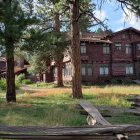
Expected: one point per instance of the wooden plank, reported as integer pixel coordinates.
(59, 131)
(59, 137)
(94, 113)
(68, 137)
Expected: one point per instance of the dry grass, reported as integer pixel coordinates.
(55, 107)
(127, 90)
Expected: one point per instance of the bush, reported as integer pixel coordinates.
(127, 81)
(116, 81)
(17, 85)
(3, 84)
(20, 78)
(27, 81)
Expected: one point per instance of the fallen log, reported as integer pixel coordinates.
(38, 137)
(94, 114)
(95, 118)
(136, 104)
(60, 131)
(111, 110)
(135, 99)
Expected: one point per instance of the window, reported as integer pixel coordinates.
(123, 36)
(89, 69)
(118, 46)
(83, 48)
(83, 69)
(138, 46)
(54, 71)
(106, 49)
(67, 69)
(129, 69)
(104, 69)
(128, 49)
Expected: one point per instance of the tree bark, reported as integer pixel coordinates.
(59, 55)
(10, 75)
(59, 65)
(75, 51)
(9, 44)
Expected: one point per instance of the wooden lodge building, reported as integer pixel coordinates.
(106, 56)
(18, 69)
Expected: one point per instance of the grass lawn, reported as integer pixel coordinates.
(55, 107)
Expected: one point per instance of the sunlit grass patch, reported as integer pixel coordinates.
(55, 106)
(41, 111)
(124, 118)
(121, 89)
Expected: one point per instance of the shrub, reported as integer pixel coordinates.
(127, 81)
(17, 85)
(20, 78)
(116, 81)
(3, 84)
(27, 81)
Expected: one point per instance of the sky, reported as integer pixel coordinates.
(116, 18)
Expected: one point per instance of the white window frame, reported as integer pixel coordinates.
(118, 46)
(90, 69)
(104, 69)
(106, 49)
(129, 69)
(83, 69)
(83, 48)
(138, 46)
(123, 36)
(128, 49)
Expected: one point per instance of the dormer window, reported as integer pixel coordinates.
(123, 36)
(83, 48)
(118, 46)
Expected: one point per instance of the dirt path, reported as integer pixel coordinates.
(39, 89)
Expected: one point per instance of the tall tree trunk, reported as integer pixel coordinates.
(59, 56)
(10, 75)
(9, 44)
(59, 65)
(75, 48)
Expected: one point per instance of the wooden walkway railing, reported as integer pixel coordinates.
(67, 133)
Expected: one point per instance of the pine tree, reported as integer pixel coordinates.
(13, 21)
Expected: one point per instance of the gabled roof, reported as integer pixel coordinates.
(130, 28)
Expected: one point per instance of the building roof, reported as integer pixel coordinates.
(95, 37)
(95, 40)
(130, 28)
(17, 69)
